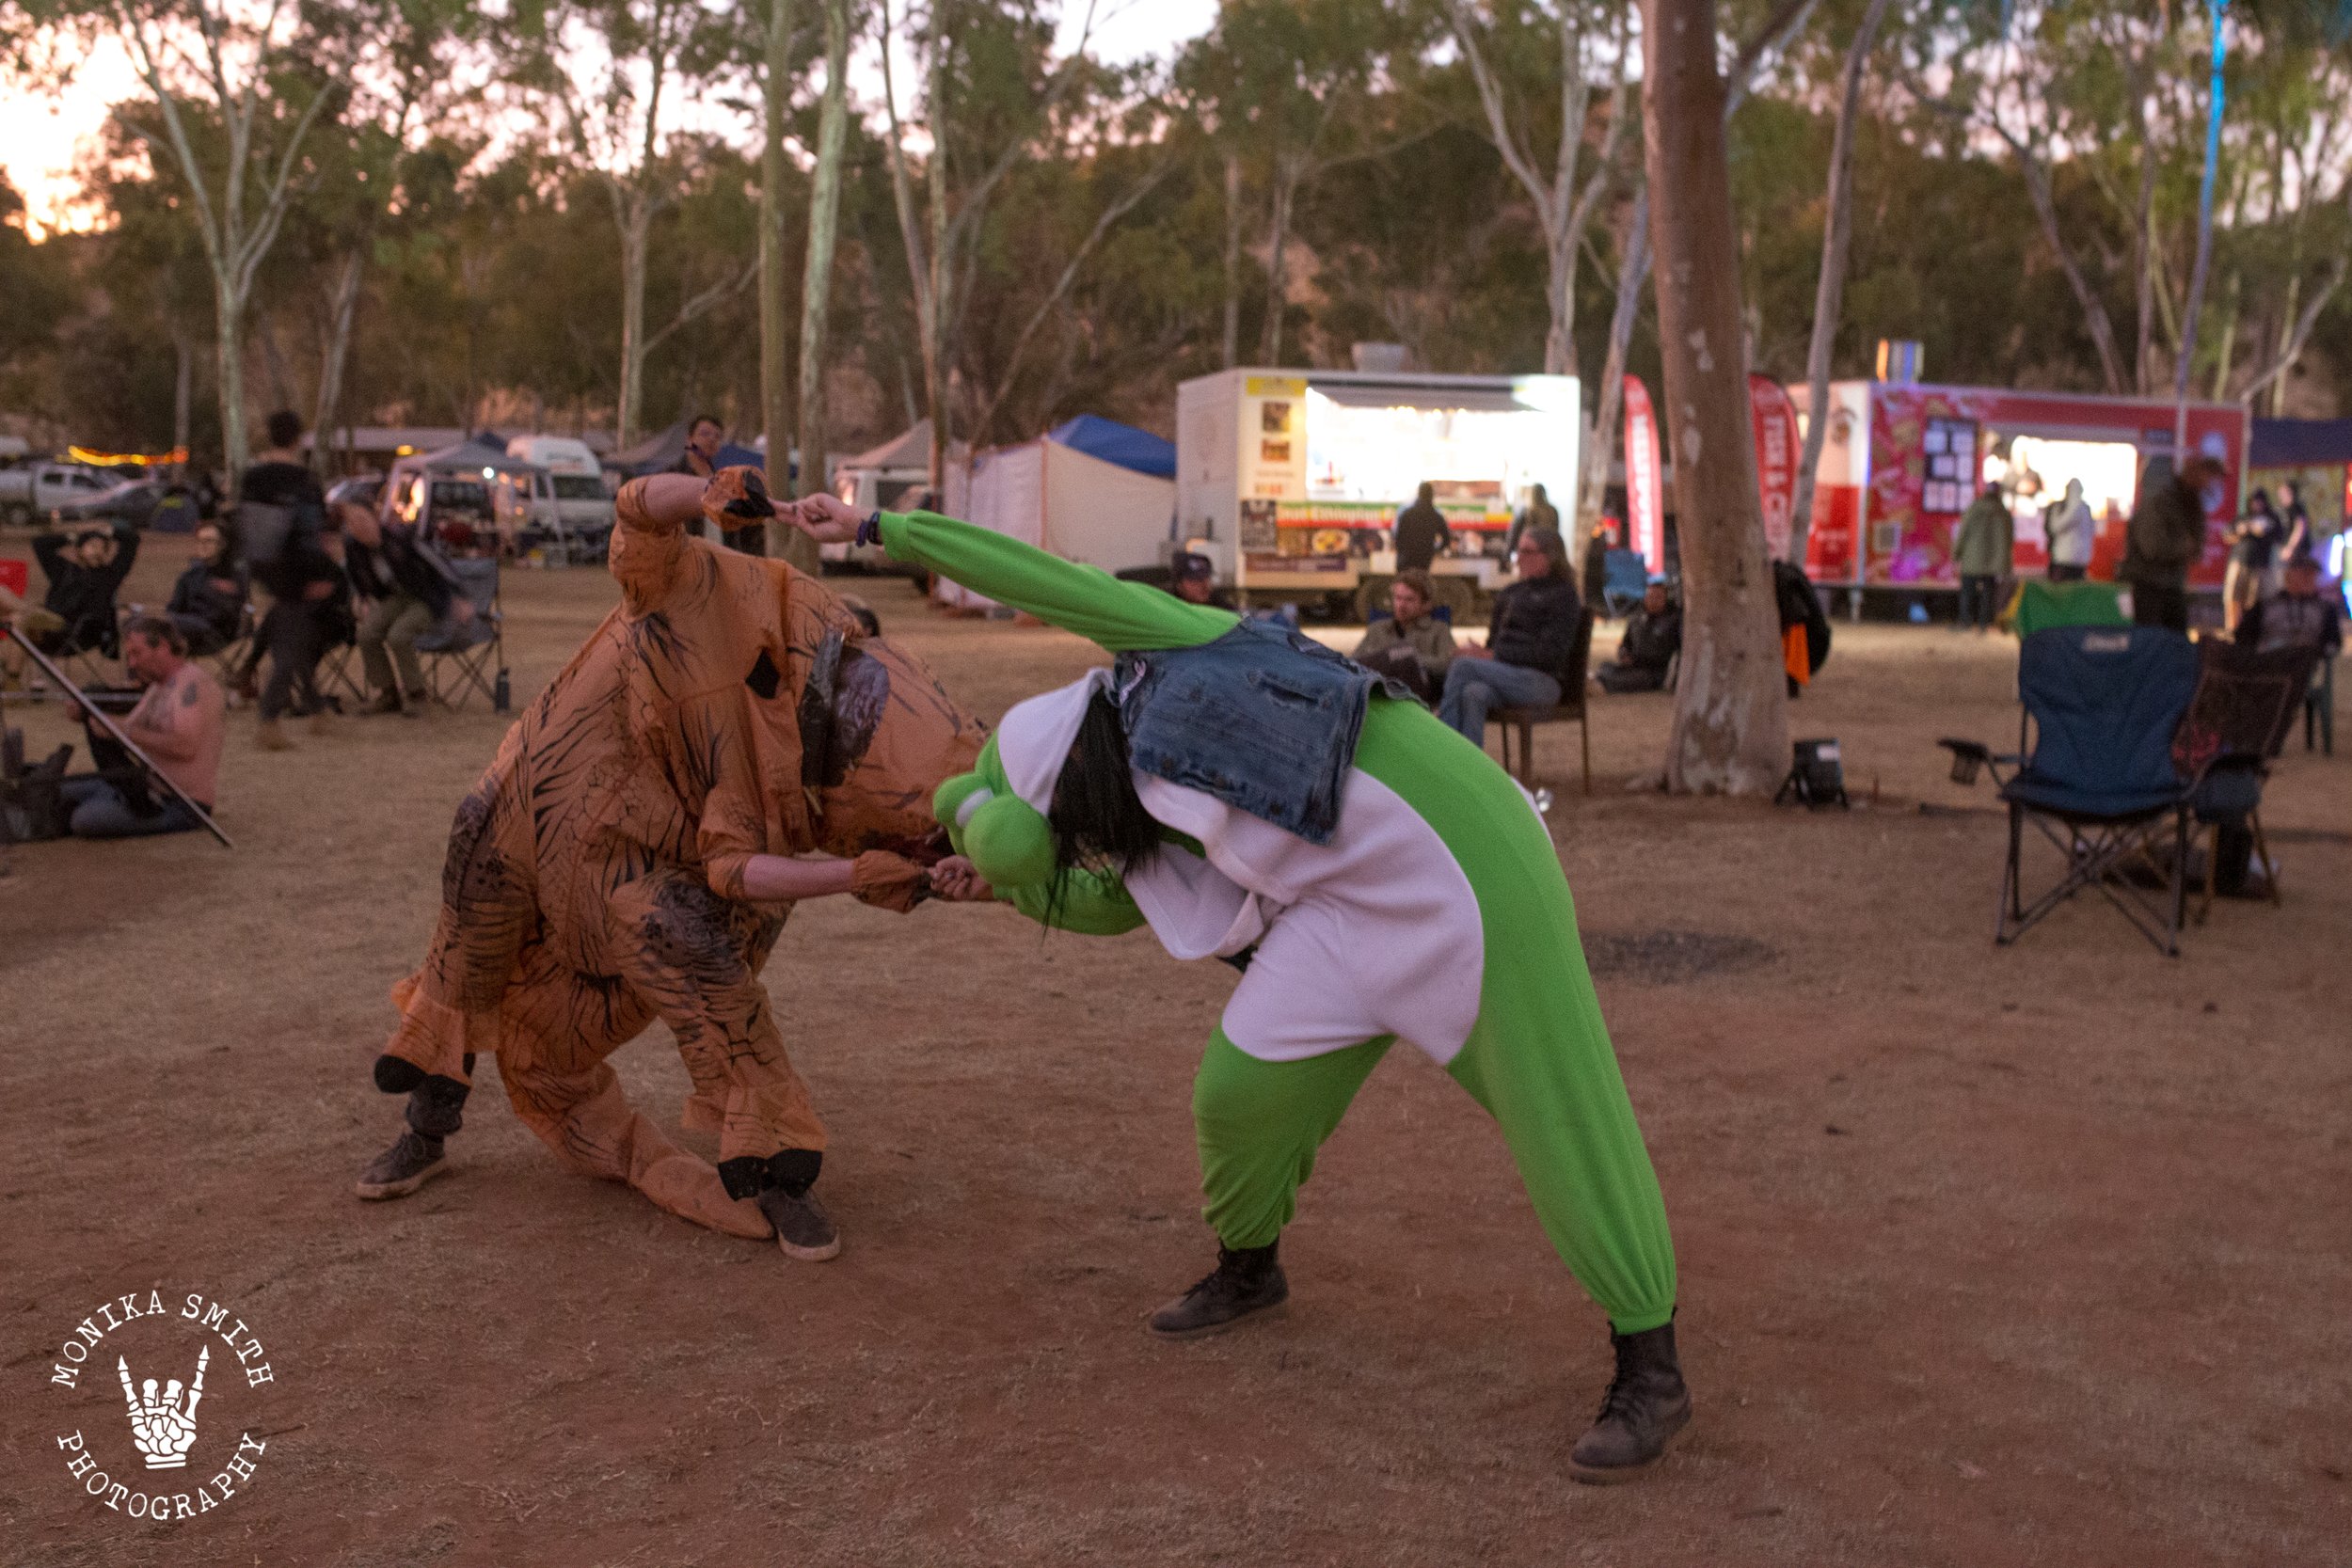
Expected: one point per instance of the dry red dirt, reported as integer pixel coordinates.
(2030, 1256)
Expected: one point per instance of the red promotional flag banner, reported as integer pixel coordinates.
(1644, 498)
(1777, 446)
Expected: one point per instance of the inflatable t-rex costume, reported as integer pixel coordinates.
(729, 707)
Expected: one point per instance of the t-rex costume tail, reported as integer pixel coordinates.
(729, 706)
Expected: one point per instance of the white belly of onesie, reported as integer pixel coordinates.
(1375, 933)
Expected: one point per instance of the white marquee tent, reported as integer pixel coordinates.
(1054, 494)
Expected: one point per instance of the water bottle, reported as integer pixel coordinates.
(504, 698)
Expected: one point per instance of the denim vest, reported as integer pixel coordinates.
(1263, 719)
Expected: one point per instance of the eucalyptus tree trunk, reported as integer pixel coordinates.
(633, 212)
(1289, 171)
(1233, 260)
(1830, 290)
(2215, 101)
(228, 302)
(824, 229)
(342, 309)
(775, 343)
(1731, 715)
(1600, 443)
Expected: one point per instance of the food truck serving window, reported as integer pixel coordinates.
(1376, 445)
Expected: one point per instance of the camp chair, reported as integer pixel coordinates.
(1574, 690)
(1625, 576)
(2239, 719)
(459, 655)
(2093, 771)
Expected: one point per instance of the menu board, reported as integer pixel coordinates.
(1951, 475)
(1273, 437)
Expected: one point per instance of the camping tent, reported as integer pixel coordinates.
(1113, 442)
(1063, 494)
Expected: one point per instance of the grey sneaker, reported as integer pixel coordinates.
(411, 1162)
(803, 1229)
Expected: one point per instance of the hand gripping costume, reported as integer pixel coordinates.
(729, 706)
(1378, 875)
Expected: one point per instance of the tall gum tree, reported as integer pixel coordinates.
(606, 67)
(824, 231)
(1496, 34)
(1730, 729)
(237, 99)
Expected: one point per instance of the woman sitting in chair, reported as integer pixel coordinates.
(1533, 633)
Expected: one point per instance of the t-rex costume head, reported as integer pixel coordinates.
(728, 707)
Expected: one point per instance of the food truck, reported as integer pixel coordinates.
(1291, 479)
(1901, 462)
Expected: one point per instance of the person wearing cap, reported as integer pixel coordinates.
(1653, 635)
(1192, 578)
(2297, 616)
(1251, 796)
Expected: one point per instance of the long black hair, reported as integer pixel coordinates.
(1097, 820)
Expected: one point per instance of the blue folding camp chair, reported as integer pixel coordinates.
(459, 656)
(1624, 577)
(2093, 771)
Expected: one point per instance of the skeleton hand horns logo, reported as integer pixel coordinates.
(162, 1427)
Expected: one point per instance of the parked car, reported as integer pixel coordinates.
(37, 489)
(451, 509)
(361, 490)
(569, 505)
(131, 502)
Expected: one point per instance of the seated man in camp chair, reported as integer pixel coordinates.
(85, 573)
(1653, 636)
(412, 592)
(179, 723)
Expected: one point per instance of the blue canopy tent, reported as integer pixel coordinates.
(1123, 444)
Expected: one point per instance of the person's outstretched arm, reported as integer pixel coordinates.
(1114, 615)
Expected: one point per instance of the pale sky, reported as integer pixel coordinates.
(41, 136)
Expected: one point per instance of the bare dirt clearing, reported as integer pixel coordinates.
(2035, 1255)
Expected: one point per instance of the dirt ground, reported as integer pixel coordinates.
(1989, 1256)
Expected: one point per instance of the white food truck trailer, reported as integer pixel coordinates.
(1291, 479)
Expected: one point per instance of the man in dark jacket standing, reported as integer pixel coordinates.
(1527, 643)
(1421, 531)
(2165, 538)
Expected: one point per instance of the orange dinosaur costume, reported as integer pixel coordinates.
(730, 707)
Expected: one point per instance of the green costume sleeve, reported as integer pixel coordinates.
(1092, 904)
(1116, 616)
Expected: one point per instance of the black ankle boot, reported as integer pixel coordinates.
(1246, 1281)
(1646, 1405)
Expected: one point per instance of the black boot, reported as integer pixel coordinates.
(1646, 1405)
(1246, 1281)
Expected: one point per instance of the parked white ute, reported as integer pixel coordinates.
(35, 489)
(570, 504)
